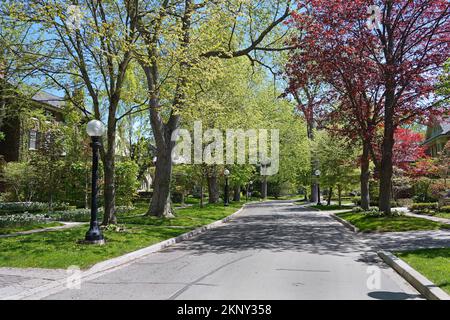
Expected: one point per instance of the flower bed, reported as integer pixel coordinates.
(8, 208)
(16, 220)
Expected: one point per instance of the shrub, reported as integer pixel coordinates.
(21, 181)
(445, 209)
(420, 206)
(405, 202)
(357, 201)
(127, 183)
(422, 190)
(19, 220)
(21, 207)
(424, 207)
(77, 215)
(29, 207)
(376, 213)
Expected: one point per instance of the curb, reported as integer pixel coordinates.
(346, 224)
(110, 265)
(427, 288)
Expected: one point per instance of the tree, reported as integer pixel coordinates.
(311, 97)
(222, 30)
(408, 148)
(88, 45)
(329, 54)
(402, 56)
(338, 161)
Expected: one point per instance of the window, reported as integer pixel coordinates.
(33, 140)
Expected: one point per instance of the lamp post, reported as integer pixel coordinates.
(317, 173)
(95, 129)
(226, 201)
(264, 165)
(249, 186)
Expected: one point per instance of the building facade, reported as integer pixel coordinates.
(438, 134)
(17, 138)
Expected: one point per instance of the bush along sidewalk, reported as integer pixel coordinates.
(431, 209)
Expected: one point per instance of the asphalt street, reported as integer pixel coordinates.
(274, 250)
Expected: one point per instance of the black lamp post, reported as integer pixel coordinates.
(249, 186)
(264, 165)
(317, 173)
(226, 199)
(95, 130)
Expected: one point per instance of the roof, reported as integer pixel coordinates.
(438, 129)
(445, 125)
(49, 99)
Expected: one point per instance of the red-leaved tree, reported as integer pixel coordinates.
(388, 67)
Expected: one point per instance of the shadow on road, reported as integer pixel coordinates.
(386, 295)
(285, 229)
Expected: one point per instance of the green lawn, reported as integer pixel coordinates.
(445, 215)
(367, 223)
(9, 230)
(59, 249)
(432, 263)
(187, 217)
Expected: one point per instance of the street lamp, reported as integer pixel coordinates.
(249, 186)
(95, 129)
(317, 174)
(226, 201)
(264, 165)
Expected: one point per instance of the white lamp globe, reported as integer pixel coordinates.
(226, 172)
(95, 128)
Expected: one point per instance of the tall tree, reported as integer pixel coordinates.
(88, 45)
(393, 66)
(171, 57)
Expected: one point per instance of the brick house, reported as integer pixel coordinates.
(19, 139)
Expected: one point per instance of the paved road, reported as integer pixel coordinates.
(271, 251)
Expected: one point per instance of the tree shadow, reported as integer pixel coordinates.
(387, 295)
(285, 229)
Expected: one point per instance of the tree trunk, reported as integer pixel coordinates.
(386, 156)
(202, 195)
(213, 189)
(314, 192)
(237, 193)
(161, 205)
(340, 195)
(330, 194)
(264, 188)
(364, 178)
(109, 163)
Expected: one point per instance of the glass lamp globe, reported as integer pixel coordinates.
(226, 172)
(95, 128)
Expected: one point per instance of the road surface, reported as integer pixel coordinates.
(274, 250)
